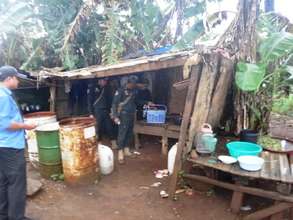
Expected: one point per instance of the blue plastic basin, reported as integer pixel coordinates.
(240, 148)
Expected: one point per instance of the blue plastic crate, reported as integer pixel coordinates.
(157, 116)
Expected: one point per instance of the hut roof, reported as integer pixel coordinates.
(129, 66)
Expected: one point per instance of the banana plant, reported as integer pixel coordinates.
(275, 51)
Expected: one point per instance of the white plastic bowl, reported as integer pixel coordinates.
(251, 163)
(227, 159)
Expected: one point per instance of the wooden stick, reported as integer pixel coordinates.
(236, 201)
(165, 144)
(194, 78)
(244, 189)
(53, 97)
(269, 211)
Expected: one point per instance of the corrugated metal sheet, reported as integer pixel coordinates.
(146, 63)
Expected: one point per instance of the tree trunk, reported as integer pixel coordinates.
(241, 41)
(212, 90)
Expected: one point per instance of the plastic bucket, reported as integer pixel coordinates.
(49, 149)
(157, 115)
(248, 136)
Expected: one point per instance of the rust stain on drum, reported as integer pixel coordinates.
(39, 114)
(79, 150)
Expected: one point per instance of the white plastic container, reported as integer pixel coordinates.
(106, 159)
(251, 163)
(171, 158)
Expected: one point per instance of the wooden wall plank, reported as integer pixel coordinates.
(195, 76)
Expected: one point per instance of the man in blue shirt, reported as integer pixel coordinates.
(12, 144)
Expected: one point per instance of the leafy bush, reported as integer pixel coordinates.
(283, 106)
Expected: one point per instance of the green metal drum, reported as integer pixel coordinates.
(49, 150)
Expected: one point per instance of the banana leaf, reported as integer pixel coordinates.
(277, 46)
(289, 69)
(249, 76)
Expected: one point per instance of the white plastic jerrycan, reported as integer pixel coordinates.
(171, 158)
(106, 159)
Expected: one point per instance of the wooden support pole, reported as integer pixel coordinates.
(194, 78)
(271, 211)
(164, 144)
(203, 100)
(53, 97)
(236, 201)
(137, 144)
(244, 189)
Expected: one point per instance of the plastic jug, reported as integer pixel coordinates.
(106, 159)
(206, 141)
(171, 158)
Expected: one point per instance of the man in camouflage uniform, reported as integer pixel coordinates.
(99, 106)
(123, 111)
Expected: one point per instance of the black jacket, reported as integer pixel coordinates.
(125, 100)
(98, 98)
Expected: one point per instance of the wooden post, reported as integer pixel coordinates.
(236, 202)
(194, 78)
(203, 100)
(137, 144)
(53, 97)
(164, 144)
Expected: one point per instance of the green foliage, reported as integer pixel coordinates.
(275, 51)
(249, 76)
(269, 143)
(270, 23)
(73, 34)
(194, 10)
(275, 47)
(113, 43)
(145, 18)
(187, 40)
(283, 105)
(272, 76)
(20, 12)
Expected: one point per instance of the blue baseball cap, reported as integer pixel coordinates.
(9, 71)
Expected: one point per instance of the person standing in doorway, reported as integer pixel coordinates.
(123, 111)
(143, 94)
(99, 106)
(12, 144)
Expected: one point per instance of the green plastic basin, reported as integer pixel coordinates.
(241, 148)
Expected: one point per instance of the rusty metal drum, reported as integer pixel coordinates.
(78, 144)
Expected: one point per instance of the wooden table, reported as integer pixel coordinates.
(276, 168)
(162, 130)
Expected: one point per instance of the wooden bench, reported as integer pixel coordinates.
(276, 168)
(164, 131)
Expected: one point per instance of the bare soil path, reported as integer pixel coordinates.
(124, 195)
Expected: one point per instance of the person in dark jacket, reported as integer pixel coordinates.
(99, 106)
(143, 93)
(123, 111)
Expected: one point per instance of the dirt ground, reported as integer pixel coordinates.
(125, 195)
